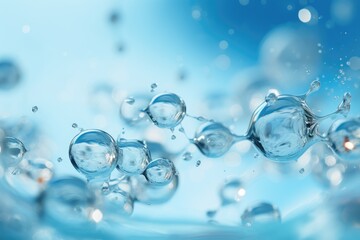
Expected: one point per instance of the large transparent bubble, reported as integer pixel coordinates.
(9, 74)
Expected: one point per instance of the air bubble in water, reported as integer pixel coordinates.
(34, 109)
(9, 74)
(153, 87)
(59, 159)
(93, 153)
(166, 110)
(231, 192)
(160, 171)
(187, 156)
(74, 125)
(134, 156)
(344, 139)
(12, 151)
(260, 213)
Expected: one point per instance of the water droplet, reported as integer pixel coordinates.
(187, 156)
(270, 98)
(198, 162)
(34, 109)
(211, 213)
(59, 159)
(130, 100)
(123, 131)
(74, 125)
(12, 151)
(231, 192)
(153, 87)
(256, 155)
(9, 74)
(173, 137)
(160, 171)
(260, 213)
(301, 171)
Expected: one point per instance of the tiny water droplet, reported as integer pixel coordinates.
(123, 131)
(315, 85)
(270, 98)
(187, 156)
(301, 171)
(153, 86)
(173, 137)
(34, 109)
(201, 119)
(198, 162)
(211, 213)
(130, 100)
(74, 125)
(181, 129)
(256, 155)
(59, 159)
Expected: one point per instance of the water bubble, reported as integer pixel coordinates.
(187, 156)
(166, 110)
(59, 159)
(301, 171)
(344, 138)
(119, 201)
(129, 100)
(211, 213)
(74, 125)
(34, 109)
(231, 192)
(173, 137)
(213, 139)
(93, 153)
(131, 111)
(153, 87)
(12, 151)
(344, 106)
(134, 157)
(260, 213)
(68, 201)
(270, 98)
(198, 163)
(160, 171)
(9, 74)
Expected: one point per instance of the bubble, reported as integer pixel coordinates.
(68, 201)
(153, 87)
(9, 74)
(304, 15)
(93, 153)
(120, 202)
(74, 125)
(166, 110)
(134, 157)
(187, 156)
(12, 151)
(34, 109)
(232, 192)
(302, 170)
(213, 139)
(131, 109)
(344, 139)
(160, 171)
(260, 213)
(198, 163)
(173, 137)
(59, 159)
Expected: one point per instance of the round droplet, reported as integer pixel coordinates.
(68, 201)
(344, 139)
(270, 98)
(93, 153)
(59, 159)
(173, 137)
(34, 109)
(153, 87)
(9, 74)
(134, 157)
(187, 156)
(166, 110)
(231, 192)
(198, 163)
(12, 151)
(301, 171)
(119, 201)
(160, 171)
(74, 125)
(211, 213)
(129, 100)
(260, 213)
(213, 139)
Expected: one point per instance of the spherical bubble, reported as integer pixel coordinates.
(231, 192)
(31, 176)
(131, 109)
(260, 213)
(9, 74)
(213, 139)
(282, 130)
(12, 151)
(93, 153)
(120, 202)
(160, 171)
(134, 157)
(344, 139)
(166, 110)
(67, 201)
(148, 193)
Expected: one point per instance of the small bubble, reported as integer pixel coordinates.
(211, 213)
(256, 155)
(187, 156)
(74, 125)
(153, 87)
(270, 98)
(181, 129)
(173, 137)
(198, 162)
(123, 131)
(34, 109)
(59, 159)
(130, 100)
(301, 171)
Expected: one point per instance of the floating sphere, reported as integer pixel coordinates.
(93, 153)
(260, 213)
(160, 171)
(131, 109)
(67, 201)
(166, 110)
(213, 139)
(232, 192)
(134, 157)
(119, 201)
(344, 139)
(9, 74)
(12, 151)
(282, 127)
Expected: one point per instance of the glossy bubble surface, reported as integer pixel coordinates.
(12, 151)
(260, 213)
(160, 171)
(134, 156)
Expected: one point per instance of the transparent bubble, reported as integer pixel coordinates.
(213, 139)
(93, 153)
(131, 109)
(12, 151)
(160, 171)
(68, 201)
(119, 201)
(148, 193)
(344, 139)
(260, 213)
(9, 74)
(166, 110)
(134, 156)
(231, 192)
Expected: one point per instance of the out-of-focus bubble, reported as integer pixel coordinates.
(166, 110)
(344, 139)
(131, 109)
(94, 154)
(118, 198)
(12, 151)
(147, 193)
(134, 156)
(160, 171)
(231, 192)
(68, 201)
(342, 11)
(9, 74)
(31, 176)
(354, 63)
(260, 213)
(289, 56)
